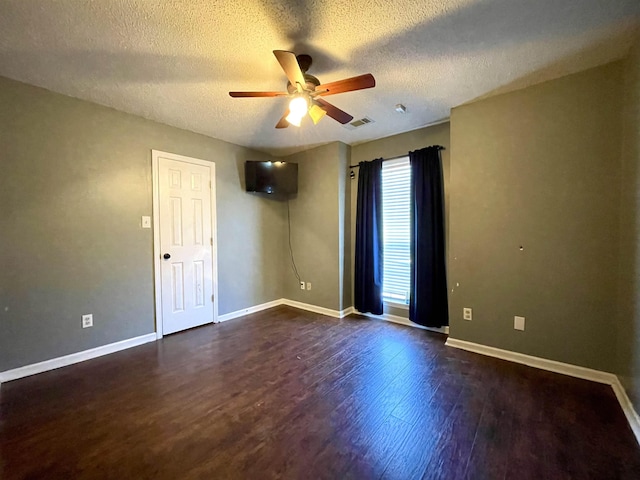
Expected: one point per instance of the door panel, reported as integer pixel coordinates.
(184, 197)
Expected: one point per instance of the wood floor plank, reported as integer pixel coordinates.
(289, 394)
(487, 459)
(416, 450)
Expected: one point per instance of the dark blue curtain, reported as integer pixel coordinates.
(428, 297)
(368, 261)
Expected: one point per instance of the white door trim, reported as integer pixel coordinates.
(155, 156)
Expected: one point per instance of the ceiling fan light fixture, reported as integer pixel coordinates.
(316, 113)
(298, 108)
(293, 120)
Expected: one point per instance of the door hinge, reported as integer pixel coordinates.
(211, 241)
(212, 298)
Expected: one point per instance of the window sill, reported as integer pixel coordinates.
(390, 303)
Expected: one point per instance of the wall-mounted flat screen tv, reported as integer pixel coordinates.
(277, 178)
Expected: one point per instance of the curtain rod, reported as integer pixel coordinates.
(440, 147)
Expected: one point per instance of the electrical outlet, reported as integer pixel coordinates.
(518, 323)
(87, 320)
(308, 285)
(467, 314)
(302, 285)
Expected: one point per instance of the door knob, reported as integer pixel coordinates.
(166, 256)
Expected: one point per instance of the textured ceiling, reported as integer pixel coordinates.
(174, 61)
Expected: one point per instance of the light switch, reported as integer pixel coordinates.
(518, 323)
(146, 221)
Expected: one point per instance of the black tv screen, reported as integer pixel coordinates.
(278, 178)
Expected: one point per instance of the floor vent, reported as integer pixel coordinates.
(358, 123)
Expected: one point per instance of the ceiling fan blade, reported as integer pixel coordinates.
(283, 121)
(289, 64)
(256, 94)
(347, 85)
(334, 112)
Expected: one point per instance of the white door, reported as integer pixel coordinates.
(185, 252)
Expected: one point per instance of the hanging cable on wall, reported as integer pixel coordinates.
(293, 261)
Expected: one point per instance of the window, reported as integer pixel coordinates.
(396, 178)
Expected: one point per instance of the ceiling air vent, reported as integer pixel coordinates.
(358, 123)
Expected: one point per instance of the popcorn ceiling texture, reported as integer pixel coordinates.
(174, 61)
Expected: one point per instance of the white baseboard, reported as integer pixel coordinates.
(627, 407)
(316, 309)
(347, 311)
(559, 367)
(537, 362)
(403, 321)
(247, 311)
(291, 303)
(78, 357)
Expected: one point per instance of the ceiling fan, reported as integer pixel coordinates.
(305, 91)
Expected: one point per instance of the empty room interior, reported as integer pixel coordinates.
(303, 239)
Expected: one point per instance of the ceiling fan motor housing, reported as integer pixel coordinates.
(304, 61)
(311, 84)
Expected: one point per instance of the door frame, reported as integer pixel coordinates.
(157, 274)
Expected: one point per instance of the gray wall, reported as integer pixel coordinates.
(76, 179)
(344, 224)
(629, 285)
(539, 168)
(317, 227)
(394, 146)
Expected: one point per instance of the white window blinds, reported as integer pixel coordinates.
(396, 177)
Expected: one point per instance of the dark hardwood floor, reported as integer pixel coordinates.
(290, 394)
